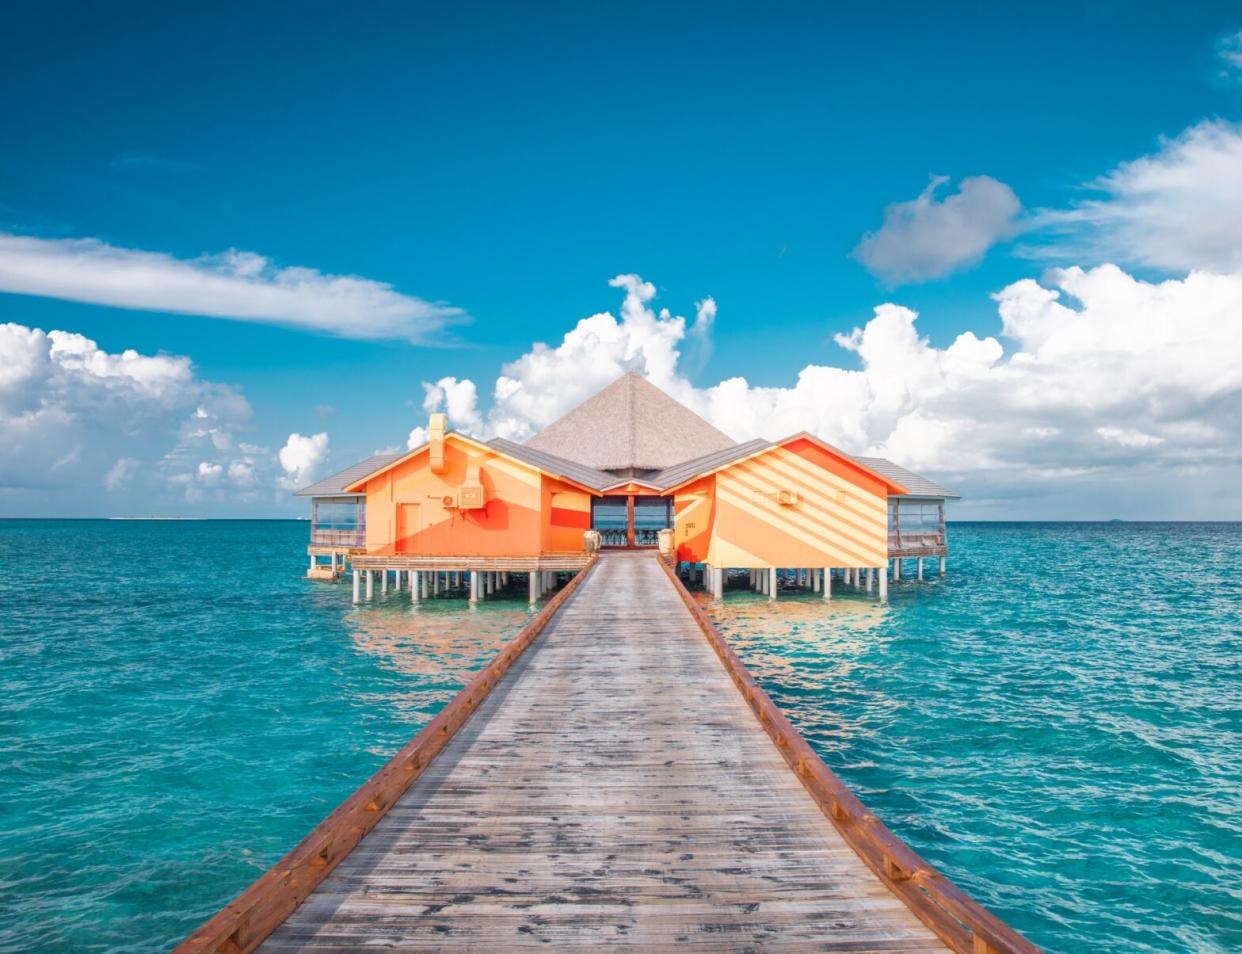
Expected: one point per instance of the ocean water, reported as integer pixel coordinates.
(178, 708)
(1056, 724)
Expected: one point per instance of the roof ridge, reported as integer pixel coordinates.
(632, 436)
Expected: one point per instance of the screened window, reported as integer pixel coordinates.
(338, 521)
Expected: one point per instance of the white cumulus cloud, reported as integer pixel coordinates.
(1096, 385)
(238, 285)
(928, 237)
(84, 430)
(302, 459)
(1178, 209)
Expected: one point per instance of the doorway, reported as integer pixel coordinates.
(409, 523)
(631, 521)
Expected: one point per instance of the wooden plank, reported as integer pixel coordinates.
(246, 921)
(956, 918)
(613, 790)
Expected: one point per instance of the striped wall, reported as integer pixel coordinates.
(837, 516)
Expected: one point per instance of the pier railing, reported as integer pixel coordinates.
(956, 918)
(248, 920)
(338, 538)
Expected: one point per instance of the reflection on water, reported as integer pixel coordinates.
(440, 643)
(1056, 724)
(808, 646)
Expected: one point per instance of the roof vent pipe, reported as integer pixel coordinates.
(435, 441)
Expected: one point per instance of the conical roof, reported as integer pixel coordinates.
(631, 425)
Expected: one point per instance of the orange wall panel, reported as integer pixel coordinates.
(838, 516)
(568, 515)
(694, 515)
(511, 522)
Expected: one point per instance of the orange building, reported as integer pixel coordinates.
(627, 463)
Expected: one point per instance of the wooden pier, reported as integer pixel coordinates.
(613, 779)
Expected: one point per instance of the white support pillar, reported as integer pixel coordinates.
(870, 579)
(475, 586)
(357, 583)
(827, 583)
(415, 585)
(396, 580)
(896, 568)
(334, 563)
(533, 586)
(920, 577)
(370, 584)
(942, 563)
(772, 583)
(815, 580)
(883, 587)
(383, 581)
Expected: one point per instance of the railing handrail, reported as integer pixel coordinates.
(347, 537)
(246, 921)
(956, 918)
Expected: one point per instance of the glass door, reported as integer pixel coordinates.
(611, 517)
(651, 515)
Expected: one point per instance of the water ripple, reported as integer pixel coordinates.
(1057, 724)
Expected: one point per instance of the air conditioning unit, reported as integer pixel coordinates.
(788, 498)
(449, 501)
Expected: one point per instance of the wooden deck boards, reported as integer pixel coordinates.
(613, 790)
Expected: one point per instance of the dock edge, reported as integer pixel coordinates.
(246, 921)
(956, 918)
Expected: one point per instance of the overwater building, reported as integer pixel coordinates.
(627, 463)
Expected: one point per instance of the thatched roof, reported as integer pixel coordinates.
(631, 425)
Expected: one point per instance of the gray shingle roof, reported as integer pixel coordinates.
(553, 464)
(916, 485)
(680, 473)
(631, 425)
(598, 479)
(337, 483)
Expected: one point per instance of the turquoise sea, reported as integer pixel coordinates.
(1057, 723)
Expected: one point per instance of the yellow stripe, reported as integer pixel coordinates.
(825, 539)
(814, 510)
(857, 500)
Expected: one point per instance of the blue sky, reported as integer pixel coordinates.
(509, 162)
